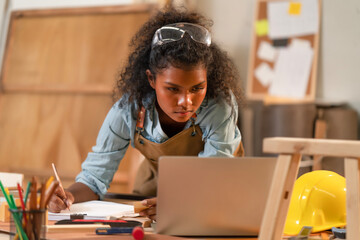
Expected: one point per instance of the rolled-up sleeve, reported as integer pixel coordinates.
(220, 131)
(113, 139)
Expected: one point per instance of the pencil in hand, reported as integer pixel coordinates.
(65, 200)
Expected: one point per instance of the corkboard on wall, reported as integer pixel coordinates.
(260, 90)
(57, 80)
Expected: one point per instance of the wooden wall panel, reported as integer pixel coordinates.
(56, 84)
(69, 49)
(37, 130)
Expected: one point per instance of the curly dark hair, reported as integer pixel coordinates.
(222, 76)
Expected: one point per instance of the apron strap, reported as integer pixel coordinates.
(193, 119)
(239, 152)
(140, 124)
(140, 120)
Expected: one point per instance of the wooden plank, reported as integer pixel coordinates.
(37, 130)
(273, 222)
(57, 88)
(124, 8)
(138, 207)
(68, 49)
(309, 146)
(4, 210)
(313, 76)
(320, 133)
(352, 175)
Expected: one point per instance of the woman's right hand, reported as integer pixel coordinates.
(58, 200)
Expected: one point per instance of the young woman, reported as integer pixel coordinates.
(179, 96)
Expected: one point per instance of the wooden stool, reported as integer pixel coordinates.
(290, 151)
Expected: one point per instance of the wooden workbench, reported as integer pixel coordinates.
(5, 229)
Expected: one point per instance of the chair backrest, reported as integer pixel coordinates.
(290, 151)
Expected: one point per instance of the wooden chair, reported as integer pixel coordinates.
(290, 151)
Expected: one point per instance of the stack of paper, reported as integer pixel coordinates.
(292, 70)
(94, 210)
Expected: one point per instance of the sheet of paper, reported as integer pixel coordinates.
(292, 71)
(266, 51)
(11, 179)
(283, 25)
(94, 210)
(264, 74)
(301, 43)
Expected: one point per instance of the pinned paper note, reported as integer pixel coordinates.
(264, 74)
(295, 8)
(262, 27)
(292, 70)
(266, 51)
(284, 25)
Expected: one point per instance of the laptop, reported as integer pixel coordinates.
(212, 196)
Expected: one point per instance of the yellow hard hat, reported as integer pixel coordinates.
(318, 200)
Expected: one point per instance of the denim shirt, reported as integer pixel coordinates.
(216, 118)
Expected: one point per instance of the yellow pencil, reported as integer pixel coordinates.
(49, 181)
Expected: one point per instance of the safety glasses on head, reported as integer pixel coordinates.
(176, 31)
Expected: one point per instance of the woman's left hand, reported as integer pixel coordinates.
(149, 212)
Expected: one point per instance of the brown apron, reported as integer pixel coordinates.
(186, 143)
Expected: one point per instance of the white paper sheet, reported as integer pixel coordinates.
(284, 25)
(292, 71)
(11, 179)
(94, 210)
(266, 51)
(264, 74)
(301, 43)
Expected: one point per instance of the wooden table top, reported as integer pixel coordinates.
(5, 229)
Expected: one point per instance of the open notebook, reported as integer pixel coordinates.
(95, 210)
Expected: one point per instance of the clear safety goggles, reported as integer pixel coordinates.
(176, 31)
